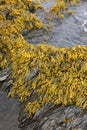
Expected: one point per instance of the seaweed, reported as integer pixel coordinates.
(61, 77)
(62, 7)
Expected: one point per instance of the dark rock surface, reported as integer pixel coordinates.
(59, 118)
(9, 110)
(50, 118)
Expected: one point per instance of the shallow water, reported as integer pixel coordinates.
(66, 32)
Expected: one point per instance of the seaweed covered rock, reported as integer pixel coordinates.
(14, 18)
(41, 74)
(60, 78)
(62, 7)
(60, 117)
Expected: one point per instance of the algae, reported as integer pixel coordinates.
(61, 76)
(62, 7)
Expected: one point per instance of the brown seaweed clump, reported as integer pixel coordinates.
(15, 16)
(58, 76)
(62, 7)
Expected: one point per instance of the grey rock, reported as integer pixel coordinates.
(25, 32)
(32, 74)
(9, 110)
(59, 118)
(5, 73)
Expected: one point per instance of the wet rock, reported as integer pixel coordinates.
(25, 32)
(5, 79)
(8, 16)
(9, 110)
(5, 73)
(32, 74)
(32, 9)
(6, 86)
(63, 33)
(59, 119)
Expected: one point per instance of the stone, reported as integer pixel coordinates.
(25, 32)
